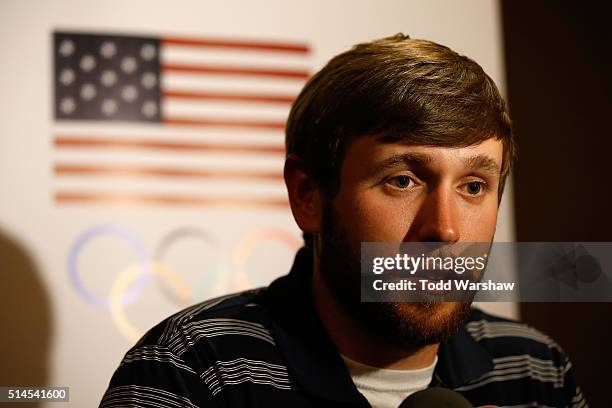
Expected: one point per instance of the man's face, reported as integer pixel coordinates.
(401, 192)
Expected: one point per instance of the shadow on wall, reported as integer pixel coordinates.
(25, 319)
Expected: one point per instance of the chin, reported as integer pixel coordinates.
(428, 311)
(415, 324)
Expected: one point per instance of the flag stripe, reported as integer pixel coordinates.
(142, 171)
(67, 197)
(229, 123)
(236, 71)
(63, 141)
(226, 96)
(237, 44)
(231, 57)
(218, 83)
(224, 110)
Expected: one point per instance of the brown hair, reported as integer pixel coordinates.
(401, 89)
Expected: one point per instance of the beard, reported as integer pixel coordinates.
(406, 325)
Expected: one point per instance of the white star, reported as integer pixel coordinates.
(67, 105)
(108, 78)
(148, 80)
(148, 52)
(129, 65)
(66, 77)
(149, 109)
(88, 62)
(66, 48)
(129, 93)
(108, 49)
(88, 92)
(109, 107)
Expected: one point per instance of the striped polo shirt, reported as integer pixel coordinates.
(267, 348)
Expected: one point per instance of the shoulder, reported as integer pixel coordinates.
(237, 314)
(529, 367)
(226, 340)
(509, 338)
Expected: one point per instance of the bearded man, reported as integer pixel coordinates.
(396, 140)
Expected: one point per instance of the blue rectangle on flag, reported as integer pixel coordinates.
(106, 77)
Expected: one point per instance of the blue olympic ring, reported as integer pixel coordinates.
(131, 295)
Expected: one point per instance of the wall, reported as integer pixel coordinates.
(64, 332)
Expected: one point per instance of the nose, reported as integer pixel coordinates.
(437, 218)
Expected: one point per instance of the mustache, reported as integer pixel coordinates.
(445, 249)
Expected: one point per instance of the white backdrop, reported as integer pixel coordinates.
(87, 341)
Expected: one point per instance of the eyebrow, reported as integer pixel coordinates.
(484, 163)
(410, 159)
(479, 162)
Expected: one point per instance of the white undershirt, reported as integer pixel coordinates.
(384, 388)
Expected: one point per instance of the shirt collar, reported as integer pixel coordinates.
(312, 357)
(461, 359)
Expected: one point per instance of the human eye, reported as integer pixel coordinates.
(475, 188)
(400, 182)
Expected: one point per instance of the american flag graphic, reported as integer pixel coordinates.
(172, 121)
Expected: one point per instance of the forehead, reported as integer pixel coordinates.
(369, 153)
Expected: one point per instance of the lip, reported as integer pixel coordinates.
(445, 249)
(434, 275)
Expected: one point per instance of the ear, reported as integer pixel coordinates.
(304, 195)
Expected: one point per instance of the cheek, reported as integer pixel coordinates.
(479, 225)
(371, 218)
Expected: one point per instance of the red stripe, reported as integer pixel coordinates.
(228, 123)
(171, 145)
(236, 71)
(166, 200)
(219, 96)
(143, 171)
(236, 44)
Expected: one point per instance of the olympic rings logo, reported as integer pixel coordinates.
(232, 272)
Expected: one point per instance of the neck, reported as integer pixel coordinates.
(355, 343)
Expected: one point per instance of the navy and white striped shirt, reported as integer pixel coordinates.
(267, 347)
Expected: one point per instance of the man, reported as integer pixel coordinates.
(396, 140)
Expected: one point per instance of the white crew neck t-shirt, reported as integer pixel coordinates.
(384, 388)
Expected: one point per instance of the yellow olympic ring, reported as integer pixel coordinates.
(125, 278)
(249, 242)
(181, 290)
